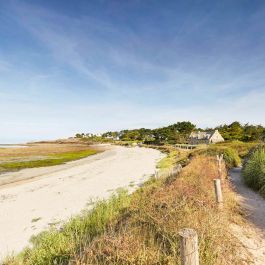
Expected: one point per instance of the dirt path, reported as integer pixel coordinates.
(53, 194)
(252, 235)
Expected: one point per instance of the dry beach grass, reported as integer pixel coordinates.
(143, 228)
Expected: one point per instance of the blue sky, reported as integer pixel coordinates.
(92, 66)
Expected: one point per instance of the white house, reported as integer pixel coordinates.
(205, 137)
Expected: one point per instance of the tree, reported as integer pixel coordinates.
(184, 127)
(236, 131)
(253, 133)
(233, 131)
(79, 135)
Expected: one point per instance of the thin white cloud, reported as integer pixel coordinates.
(145, 90)
(79, 43)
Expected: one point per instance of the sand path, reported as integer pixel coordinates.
(252, 235)
(54, 194)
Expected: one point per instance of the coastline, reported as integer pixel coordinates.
(38, 155)
(53, 194)
(9, 179)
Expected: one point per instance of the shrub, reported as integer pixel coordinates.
(242, 148)
(252, 151)
(254, 169)
(231, 156)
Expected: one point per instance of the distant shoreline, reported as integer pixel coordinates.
(13, 145)
(17, 157)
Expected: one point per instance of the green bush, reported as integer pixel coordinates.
(231, 156)
(252, 151)
(242, 148)
(254, 169)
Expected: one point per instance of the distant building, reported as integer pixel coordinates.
(210, 137)
(110, 137)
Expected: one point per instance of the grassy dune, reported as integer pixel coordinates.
(142, 228)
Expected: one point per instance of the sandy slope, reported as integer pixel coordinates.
(252, 235)
(56, 193)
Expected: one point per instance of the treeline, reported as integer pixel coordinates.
(180, 131)
(246, 132)
(171, 134)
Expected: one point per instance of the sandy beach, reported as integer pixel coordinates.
(51, 195)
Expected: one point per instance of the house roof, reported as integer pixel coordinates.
(202, 135)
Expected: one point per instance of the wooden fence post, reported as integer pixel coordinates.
(218, 191)
(219, 163)
(189, 250)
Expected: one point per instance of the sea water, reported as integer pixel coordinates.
(11, 146)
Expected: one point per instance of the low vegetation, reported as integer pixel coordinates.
(45, 161)
(242, 148)
(254, 169)
(142, 228)
(231, 156)
(173, 156)
(169, 160)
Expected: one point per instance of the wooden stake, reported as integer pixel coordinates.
(189, 247)
(219, 164)
(218, 191)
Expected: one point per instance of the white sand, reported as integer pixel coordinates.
(59, 192)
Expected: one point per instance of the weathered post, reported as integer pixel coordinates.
(219, 164)
(218, 191)
(179, 168)
(189, 250)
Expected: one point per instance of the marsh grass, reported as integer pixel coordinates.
(142, 228)
(51, 160)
